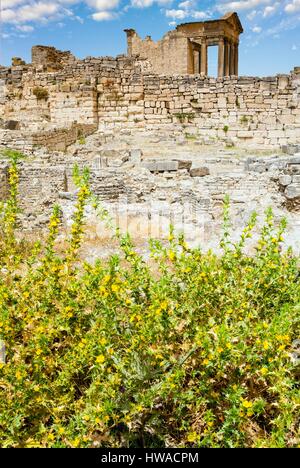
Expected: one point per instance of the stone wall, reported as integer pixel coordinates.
(60, 139)
(57, 139)
(170, 53)
(122, 92)
(50, 58)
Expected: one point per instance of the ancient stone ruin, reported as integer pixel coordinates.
(184, 50)
(164, 142)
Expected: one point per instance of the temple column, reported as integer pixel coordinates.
(226, 62)
(203, 69)
(221, 58)
(196, 61)
(232, 59)
(236, 60)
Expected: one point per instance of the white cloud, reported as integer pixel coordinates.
(28, 13)
(178, 14)
(271, 9)
(148, 3)
(294, 47)
(252, 15)
(187, 5)
(38, 11)
(25, 28)
(103, 5)
(104, 16)
(242, 5)
(257, 29)
(172, 23)
(186, 9)
(201, 15)
(293, 6)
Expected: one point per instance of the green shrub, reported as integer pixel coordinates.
(40, 93)
(190, 351)
(225, 129)
(244, 119)
(82, 140)
(184, 116)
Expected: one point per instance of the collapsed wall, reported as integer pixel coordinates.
(122, 91)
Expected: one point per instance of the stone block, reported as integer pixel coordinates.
(11, 125)
(135, 156)
(290, 149)
(285, 180)
(184, 164)
(292, 191)
(160, 166)
(199, 171)
(294, 168)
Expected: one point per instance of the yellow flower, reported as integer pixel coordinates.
(75, 442)
(103, 291)
(247, 404)
(266, 345)
(115, 288)
(100, 359)
(61, 430)
(192, 437)
(263, 371)
(106, 279)
(103, 341)
(171, 255)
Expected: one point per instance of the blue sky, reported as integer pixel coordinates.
(270, 43)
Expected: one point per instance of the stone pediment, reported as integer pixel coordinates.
(234, 20)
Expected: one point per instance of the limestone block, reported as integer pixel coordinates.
(292, 191)
(199, 171)
(222, 102)
(294, 168)
(160, 166)
(135, 156)
(245, 134)
(285, 180)
(184, 164)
